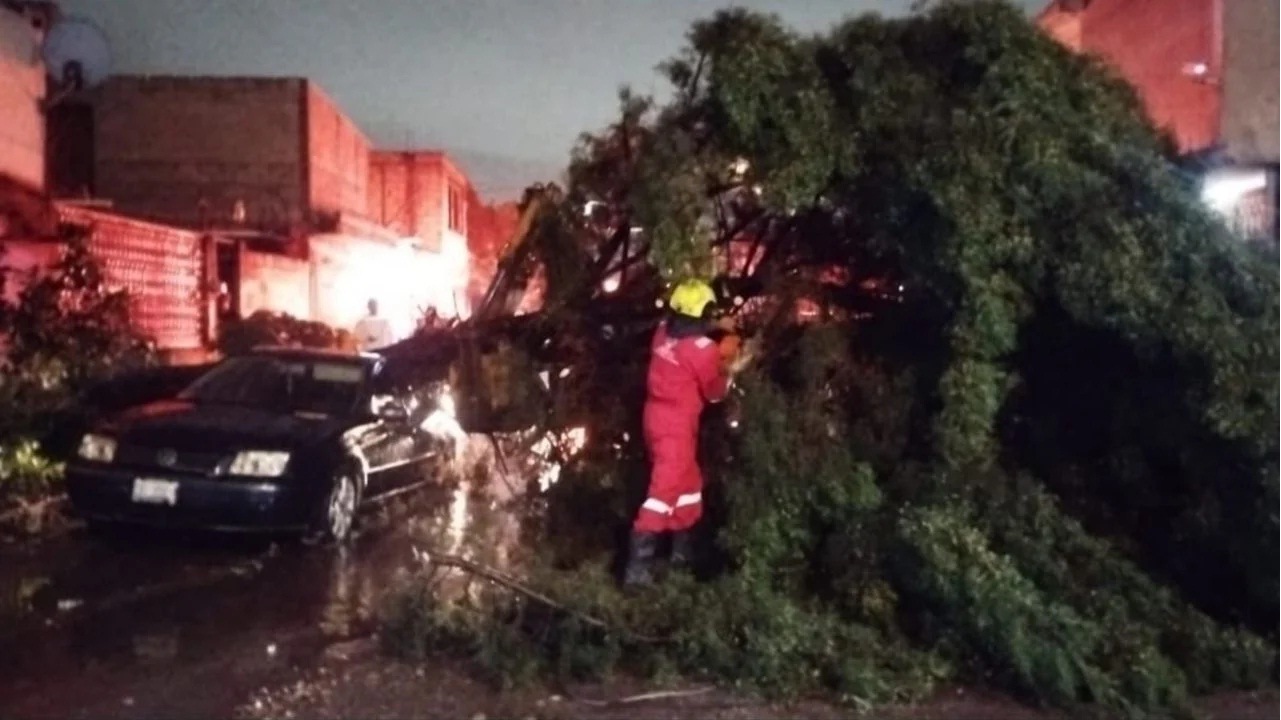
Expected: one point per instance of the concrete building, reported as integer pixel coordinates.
(424, 195)
(1207, 71)
(304, 217)
(264, 153)
(160, 266)
(21, 95)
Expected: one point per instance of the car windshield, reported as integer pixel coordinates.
(287, 385)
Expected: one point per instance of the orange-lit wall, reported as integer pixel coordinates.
(24, 259)
(337, 157)
(489, 229)
(1150, 42)
(406, 281)
(414, 194)
(276, 283)
(410, 192)
(22, 85)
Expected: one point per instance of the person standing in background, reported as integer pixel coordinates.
(373, 331)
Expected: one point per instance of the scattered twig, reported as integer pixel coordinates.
(502, 463)
(27, 509)
(646, 697)
(500, 578)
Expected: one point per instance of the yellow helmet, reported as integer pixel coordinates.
(691, 298)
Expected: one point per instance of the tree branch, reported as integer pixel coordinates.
(646, 697)
(500, 578)
(627, 261)
(698, 74)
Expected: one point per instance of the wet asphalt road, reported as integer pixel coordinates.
(150, 625)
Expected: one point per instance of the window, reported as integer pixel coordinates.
(332, 387)
(456, 212)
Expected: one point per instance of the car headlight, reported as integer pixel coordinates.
(97, 448)
(259, 463)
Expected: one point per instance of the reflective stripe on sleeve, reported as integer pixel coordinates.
(690, 499)
(658, 506)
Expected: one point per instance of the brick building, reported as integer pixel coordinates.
(264, 153)
(302, 216)
(1207, 71)
(209, 198)
(424, 195)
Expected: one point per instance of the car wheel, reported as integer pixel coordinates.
(337, 511)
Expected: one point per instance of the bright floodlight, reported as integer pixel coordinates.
(1224, 189)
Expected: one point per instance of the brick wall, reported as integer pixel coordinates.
(161, 268)
(413, 191)
(338, 157)
(180, 149)
(276, 283)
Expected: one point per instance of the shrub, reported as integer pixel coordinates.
(25, 471)
(66, 332)
(264, 327)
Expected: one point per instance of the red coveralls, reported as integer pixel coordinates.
(684, 375)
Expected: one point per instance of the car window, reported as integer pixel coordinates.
(330, 387)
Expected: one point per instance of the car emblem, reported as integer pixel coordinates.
(167, 457)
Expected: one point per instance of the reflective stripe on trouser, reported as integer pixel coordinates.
(675, 500)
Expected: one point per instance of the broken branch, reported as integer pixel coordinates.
(646, 697)
(500, 578)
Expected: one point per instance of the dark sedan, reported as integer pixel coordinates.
(280, 440)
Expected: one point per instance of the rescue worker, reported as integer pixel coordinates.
(686, 372)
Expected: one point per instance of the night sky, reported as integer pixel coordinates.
(504, 85)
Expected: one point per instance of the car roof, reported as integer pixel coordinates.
(311, 353)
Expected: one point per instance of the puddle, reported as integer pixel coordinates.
(87, 619)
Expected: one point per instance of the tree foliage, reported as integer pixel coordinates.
(65, 331)
(1051, 456)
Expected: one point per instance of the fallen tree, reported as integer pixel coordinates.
(1015, 418)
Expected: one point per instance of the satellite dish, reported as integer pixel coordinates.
(77, 56)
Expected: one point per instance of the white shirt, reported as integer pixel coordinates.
(373, 332)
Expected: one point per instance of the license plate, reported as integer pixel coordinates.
(157, 492)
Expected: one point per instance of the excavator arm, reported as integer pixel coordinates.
(510, 280)
(483, 372)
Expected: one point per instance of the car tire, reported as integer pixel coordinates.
(335, 514)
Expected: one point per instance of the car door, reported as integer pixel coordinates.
(375, 439)
(390, 443)
(408, 442)
(429, 428)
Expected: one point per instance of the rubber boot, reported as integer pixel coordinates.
(682, 550)
(640, 558)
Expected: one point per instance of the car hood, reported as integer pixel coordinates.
(183, 425)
